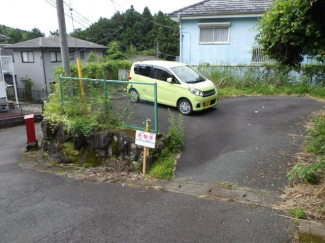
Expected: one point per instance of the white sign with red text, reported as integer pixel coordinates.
(145, 139)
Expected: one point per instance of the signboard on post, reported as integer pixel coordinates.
(145, 139)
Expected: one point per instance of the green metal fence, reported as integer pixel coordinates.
(130, 103)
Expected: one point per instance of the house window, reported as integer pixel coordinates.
(56, 56)
(27, 56)
(82, 55)
(258, 57)
(214, 33)
(71, 56)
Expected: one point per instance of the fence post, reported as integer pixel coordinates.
(156, 108)
(61, 94)
(106, 95)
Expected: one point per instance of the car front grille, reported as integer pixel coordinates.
(208, 93)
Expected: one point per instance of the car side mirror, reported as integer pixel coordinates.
(169, 80)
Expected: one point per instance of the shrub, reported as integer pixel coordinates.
(267, 79)
(309, 173)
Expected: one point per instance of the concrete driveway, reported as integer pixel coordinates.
(246, 140)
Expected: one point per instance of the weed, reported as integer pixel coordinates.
(164, 166)
(69, 152)
(309, 173)
(266, 80)
(298, 213)
(175, 132)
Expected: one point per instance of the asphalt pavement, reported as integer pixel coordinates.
(250, 141)
(42, 207)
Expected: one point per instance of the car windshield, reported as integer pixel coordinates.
(188, 74)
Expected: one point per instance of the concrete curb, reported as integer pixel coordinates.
(209, 190)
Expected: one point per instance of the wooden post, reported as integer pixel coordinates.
(144, 165)
(145, 150)
(82, 88)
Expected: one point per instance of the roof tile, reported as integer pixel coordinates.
(223, 7)
(54, 42)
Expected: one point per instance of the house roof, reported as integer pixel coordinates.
(3, 37)
(54, 42)
(224, 7)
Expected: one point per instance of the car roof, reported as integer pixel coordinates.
(166, 64)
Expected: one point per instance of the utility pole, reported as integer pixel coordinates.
(157, 49)
(63, 37)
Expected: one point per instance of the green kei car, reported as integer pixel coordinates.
(178, 85)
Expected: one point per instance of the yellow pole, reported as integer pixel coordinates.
(82, 88)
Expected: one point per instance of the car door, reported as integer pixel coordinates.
(166, 91)
(143, 75)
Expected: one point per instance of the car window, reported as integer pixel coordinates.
(188, 74)
(161, 74)
(144, 70)
(135, 68)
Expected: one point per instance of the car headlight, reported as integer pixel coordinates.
(195, 91)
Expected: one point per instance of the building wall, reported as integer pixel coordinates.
(35, 71)
(238, 51)
(49, 66)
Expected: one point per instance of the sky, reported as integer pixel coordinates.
(27, 14)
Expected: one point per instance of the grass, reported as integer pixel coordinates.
(273, 80)
(164, 166)
(298, 213)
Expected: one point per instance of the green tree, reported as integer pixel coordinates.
(140, 30)
(55, 32)
(34, 33)
(15, 36)
(114, 52)
(292, 29)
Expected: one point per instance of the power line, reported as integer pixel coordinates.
(110, 36)
(53, 4)
(86, 19)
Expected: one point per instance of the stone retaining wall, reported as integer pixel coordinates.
(113, 148)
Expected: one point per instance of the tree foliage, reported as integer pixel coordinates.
(18, 35)
(34, 33)
(135, 33)
(292, 29)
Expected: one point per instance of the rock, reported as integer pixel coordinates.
(79, 141)
(100, 140)
(101, 152)
(45, 146)
(48, 130)
(54, 149)
(134, 152)
(62, 134)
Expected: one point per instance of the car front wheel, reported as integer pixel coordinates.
(185, 107)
